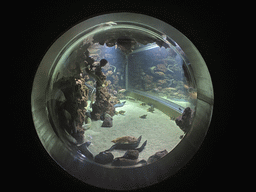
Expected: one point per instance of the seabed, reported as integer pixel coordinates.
(158, 129)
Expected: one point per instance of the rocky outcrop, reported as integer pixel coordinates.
(185, 120)
(108, 121)
(102, 104)
(131, 154)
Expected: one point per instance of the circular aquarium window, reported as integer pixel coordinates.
(121, 100)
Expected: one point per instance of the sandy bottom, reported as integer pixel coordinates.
(159, 131)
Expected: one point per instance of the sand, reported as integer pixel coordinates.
(159, 131)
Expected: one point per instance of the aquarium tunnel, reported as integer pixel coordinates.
(121, 92)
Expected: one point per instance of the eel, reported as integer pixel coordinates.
(119, 104)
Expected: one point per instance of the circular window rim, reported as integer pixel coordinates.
(124, 178)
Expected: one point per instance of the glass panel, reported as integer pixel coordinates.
(117, 93)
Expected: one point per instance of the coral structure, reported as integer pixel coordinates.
(102, 104)
(76, 96)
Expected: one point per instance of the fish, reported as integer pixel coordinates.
(119, 104)
(122, 91)
(127, 142)
(143, 116)
(160, 73)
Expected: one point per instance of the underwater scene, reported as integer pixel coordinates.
(124, 100)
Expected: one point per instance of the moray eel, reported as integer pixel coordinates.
(120, 104)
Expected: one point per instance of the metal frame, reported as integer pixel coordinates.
(124, 178)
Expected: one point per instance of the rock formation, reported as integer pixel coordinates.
(76, 96)
(102, 104)
(185, 120)
(108, 121)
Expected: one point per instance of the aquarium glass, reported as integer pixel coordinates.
(117, 93)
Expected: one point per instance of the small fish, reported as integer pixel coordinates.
(143, 104)
(122, 91)
(143, 116)
(121, 112)
(160, 74)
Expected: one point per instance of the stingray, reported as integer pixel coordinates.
(127, 146)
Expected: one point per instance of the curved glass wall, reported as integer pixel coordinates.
(117, 83)
(119, 95)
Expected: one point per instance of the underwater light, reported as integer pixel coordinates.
(148, 47)
(121, 100)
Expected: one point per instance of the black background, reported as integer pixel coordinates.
(208, 24)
